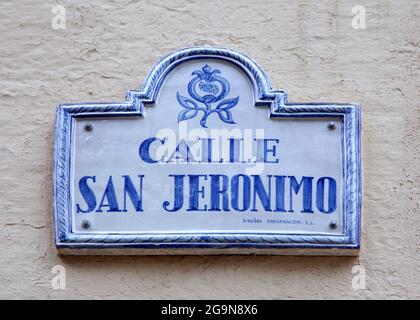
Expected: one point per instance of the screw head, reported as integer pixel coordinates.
(333, 224)
(85, 224)
(88, 127)
(332, 125)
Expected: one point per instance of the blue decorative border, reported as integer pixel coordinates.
(133, 105)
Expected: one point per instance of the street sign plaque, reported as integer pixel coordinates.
(207, 159)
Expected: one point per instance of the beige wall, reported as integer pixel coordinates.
(308, 48)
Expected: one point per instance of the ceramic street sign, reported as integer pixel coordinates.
(207, 159)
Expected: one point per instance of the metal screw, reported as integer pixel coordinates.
(331, 125)
(85, 224)
(333, 224)
(88, 127)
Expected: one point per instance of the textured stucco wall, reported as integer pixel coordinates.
(308, 48)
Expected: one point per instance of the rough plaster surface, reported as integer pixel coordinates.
(308, 48)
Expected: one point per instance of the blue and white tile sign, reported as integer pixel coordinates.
(206, 158)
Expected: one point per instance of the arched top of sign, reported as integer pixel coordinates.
(263, 91)
(264, 95)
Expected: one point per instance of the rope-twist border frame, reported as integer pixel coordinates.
(277, 100)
